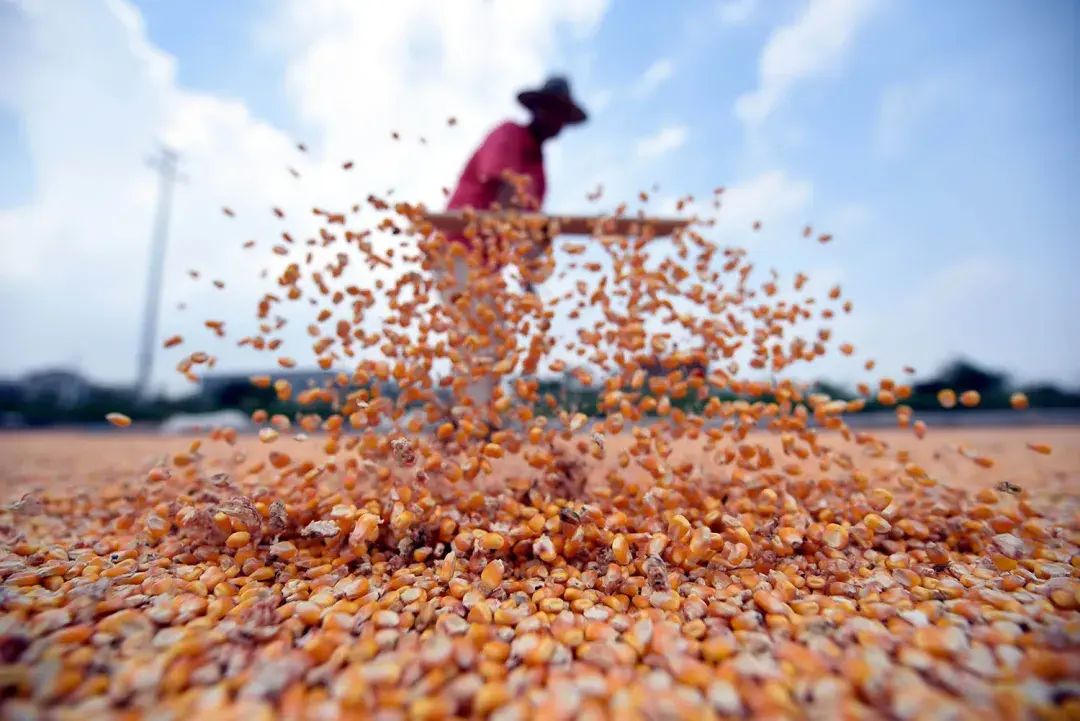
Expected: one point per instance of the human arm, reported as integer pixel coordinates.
(539, 234)
(535, 258)
(507, 196)
(500, 153)
(508, 160)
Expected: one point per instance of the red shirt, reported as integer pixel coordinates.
(510, 147)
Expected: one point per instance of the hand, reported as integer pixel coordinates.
(541, 241)
(549, 233)
(540, 245)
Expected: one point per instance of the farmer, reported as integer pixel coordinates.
(507, 171)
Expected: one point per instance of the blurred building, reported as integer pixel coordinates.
(182, 423)
(59, 387)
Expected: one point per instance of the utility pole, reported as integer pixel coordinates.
(165, 163)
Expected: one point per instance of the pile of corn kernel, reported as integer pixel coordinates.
(485, 567)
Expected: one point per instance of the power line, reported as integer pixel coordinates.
(165, 163)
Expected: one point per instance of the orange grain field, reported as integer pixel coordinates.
(561, 567)
(59, 461)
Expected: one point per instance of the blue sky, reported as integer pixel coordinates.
(936, 140)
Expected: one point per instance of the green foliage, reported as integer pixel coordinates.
(963, 375)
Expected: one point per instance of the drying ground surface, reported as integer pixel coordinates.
(68, 461)
(209, 589)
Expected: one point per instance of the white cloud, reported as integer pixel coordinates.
(95, 97)
(662, 142)
(955, 311)
(849, 219)
(903, 107)
(768, 196)
(656, 75)
(813, 45)
(964, 308)
(598, 101)
(736, 12)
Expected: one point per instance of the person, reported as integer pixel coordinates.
(506, 171)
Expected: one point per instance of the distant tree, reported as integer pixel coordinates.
(964, 375)
(833, 390)
(1048, 395)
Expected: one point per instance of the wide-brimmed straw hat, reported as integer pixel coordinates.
(555, 94)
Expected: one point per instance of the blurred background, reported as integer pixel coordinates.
(937, 142)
